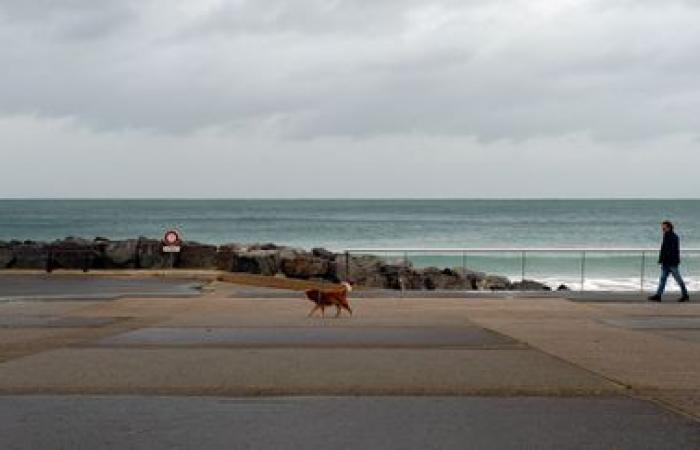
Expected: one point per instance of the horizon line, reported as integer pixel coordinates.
(348, 198)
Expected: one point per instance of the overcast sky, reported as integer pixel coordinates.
(350, 98)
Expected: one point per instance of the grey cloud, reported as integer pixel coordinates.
(314, 16)
(69, 19)
(310, 68)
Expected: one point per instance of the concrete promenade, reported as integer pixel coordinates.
(498, 372)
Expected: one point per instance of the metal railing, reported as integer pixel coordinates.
(522, 254)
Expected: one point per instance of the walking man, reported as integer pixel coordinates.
(670, 259)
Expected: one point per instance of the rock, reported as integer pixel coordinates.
(393, 276)
(118, 254)
(72, 253)
(263, 262)
(529, 285)
(365, 270)
(266, 246)
(305, 266)
(141, 253)
(6, 256)
(495, 283)
(473, 278)
(411, 280)
(226, 256)
(323, 253)
(563, 287)
(30, 255)
(264, 259)
(194, 255)
(443, 279)
(151, 256)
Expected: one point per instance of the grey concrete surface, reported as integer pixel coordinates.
(622, 297)
(681, 335)
(656, 323)
(154, 423)
(310, 337)
(53, 322)
(295, 371)
(59, 286)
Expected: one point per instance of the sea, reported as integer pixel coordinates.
(402, 224)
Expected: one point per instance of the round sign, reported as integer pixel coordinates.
(171, 237)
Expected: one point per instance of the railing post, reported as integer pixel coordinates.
(583, 269)
(522, 264)
(464, 272)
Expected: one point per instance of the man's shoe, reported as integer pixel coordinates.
(655, 298)
(683, 299)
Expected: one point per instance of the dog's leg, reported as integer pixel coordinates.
(323, 311)
(337, 311)
(313, 310)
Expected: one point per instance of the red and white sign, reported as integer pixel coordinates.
(171, 241)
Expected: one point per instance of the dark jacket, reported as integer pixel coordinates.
(670, 254)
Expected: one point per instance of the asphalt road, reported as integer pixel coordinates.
(153, 423)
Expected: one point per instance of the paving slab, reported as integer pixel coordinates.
(53, 322)
(406, 423)
(14, 337)
(297, 371)
(681, 335)
(315, 337)
(654, 323)
(24, 287)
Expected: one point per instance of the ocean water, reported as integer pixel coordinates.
(341, 224)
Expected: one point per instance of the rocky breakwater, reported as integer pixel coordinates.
(264, 259)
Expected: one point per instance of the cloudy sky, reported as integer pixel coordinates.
(350, 98)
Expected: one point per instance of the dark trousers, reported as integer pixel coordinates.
(665, 272)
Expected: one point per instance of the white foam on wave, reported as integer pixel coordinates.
(618, 284)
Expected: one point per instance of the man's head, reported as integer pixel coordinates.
(666, 226)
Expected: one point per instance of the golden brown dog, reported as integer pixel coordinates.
(330, 297)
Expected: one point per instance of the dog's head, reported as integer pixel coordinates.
(347, 285)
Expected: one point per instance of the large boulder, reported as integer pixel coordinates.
(194, 255)
(472, 278)
(118, 254)
(30, 255)
(323, 253)
(262, 262)
(227, 255)
(397, 276)
(411, 280)
(141, 253)
(364, 270)
(444, 279)
(151, 256)
(265, 246)
(72, 253)
(495, 283)
(529, 285)
(304, 266)
(6, 255)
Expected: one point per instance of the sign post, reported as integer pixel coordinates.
(171, 241)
